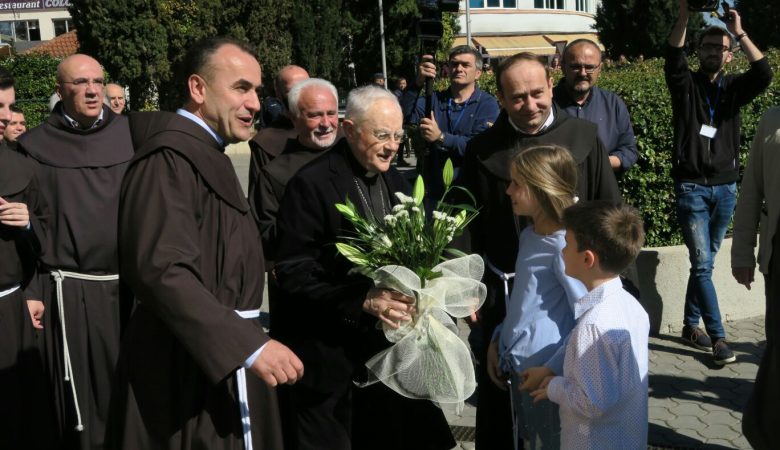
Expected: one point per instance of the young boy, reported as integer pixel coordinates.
(603, 391)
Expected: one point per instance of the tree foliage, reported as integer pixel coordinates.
(761, 19)
(142, 42)
(639, 27)
(35, 77)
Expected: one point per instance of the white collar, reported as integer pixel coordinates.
(202, 123)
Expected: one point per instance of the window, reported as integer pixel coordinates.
(62, 26)
(492, 3)
(582, 5)
(548, 4)
(21, 30)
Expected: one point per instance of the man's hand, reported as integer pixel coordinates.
(391, 307)
(734, 24)
(14, 214)
(36, 309)
(277, 364)
(426, 69)
(541, 393)
(533, 377)
(429, 129)
(497, 376)
(744, 275)
(614, 161)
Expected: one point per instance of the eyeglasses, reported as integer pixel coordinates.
(384, 135)
(714, 48)
(84, 82)
(589, 68)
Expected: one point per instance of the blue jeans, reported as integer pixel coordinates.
(704, 213)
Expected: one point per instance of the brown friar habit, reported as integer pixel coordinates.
(494, 233)
(190, 252)
(264, 147)
(24, 407)
(80, 172)
(272, 182)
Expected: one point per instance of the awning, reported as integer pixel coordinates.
(540, 44)
(573, 37)
(509, 45)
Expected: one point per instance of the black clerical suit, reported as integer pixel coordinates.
(322, 321)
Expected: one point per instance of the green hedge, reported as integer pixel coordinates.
(35, 76)
(648, 185)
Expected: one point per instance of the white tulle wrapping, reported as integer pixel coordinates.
(429, 360)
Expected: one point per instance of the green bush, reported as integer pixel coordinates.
(35, 76)
(648, 185)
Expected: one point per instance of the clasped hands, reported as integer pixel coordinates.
(535, 379)
(14, 214)
(389, 306)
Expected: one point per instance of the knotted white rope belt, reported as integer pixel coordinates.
(505, 277)
(9, 291)
(59, 276)
(243, 397)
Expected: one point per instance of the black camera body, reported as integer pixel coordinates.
(703, 5)
(429, 26)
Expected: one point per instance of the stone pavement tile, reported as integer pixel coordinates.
(692, 422)
(741, 443)
(688, 408)
(719, 418)
(718, 432)
(690, 433)
(721, 443)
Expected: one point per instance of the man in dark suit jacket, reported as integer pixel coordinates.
(328, 315)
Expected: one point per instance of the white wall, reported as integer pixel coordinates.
(44, 19)
(525, 19)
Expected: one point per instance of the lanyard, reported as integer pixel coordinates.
(453, 126)
(714, 105)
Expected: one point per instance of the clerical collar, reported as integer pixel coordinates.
(199, 121)
(75, 124)
(544, 126)
(357, 168)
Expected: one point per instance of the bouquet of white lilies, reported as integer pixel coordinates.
(405, 251)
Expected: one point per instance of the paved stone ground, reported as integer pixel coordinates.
(694, 404)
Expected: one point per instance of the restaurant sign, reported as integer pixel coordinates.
(13, 5)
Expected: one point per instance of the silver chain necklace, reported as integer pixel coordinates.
(365, 200)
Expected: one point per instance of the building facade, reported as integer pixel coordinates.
(24, 24)
(506, 27)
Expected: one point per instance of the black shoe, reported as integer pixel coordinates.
(697, 338)
(722, 353)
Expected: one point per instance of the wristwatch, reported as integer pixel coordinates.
(440, 139)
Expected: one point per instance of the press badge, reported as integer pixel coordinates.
(708, 131)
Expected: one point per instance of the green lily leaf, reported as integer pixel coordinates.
(419, 190)
(448, 173)
(352, 254)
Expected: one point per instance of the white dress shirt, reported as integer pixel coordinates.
(603, 391)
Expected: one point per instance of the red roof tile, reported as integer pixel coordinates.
(61, 46)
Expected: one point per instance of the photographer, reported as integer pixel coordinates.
(705, 163)
(458, 114)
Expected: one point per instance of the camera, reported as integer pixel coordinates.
(429, 26)
(703, 5)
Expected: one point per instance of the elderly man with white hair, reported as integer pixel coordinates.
(329, 315)
(314, 105)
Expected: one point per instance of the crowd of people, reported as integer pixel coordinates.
(133, 265)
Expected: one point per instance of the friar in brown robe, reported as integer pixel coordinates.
(82, 151)
(191, 253)
(25, 414)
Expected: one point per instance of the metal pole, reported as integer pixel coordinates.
(468, 24)
(382, 35)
